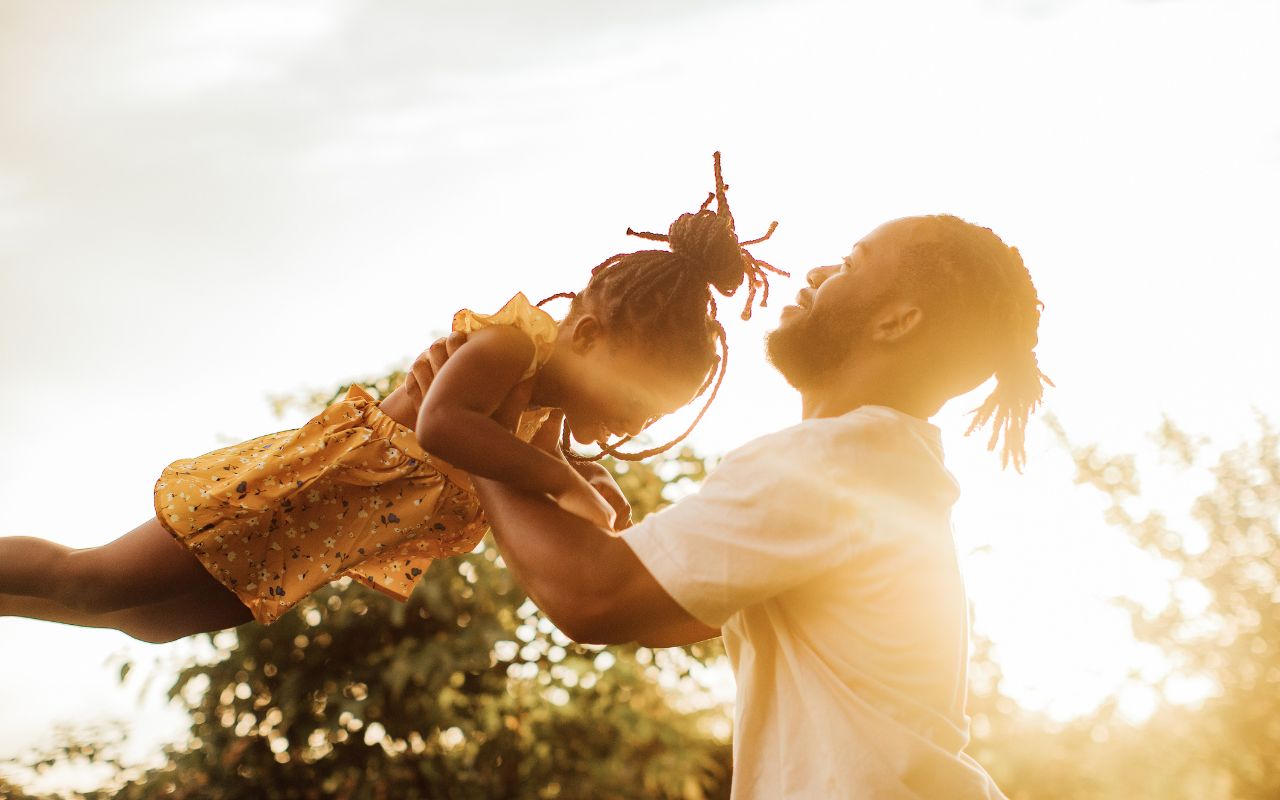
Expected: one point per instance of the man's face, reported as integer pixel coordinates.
(828, 322)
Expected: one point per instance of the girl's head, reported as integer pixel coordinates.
(640, 340)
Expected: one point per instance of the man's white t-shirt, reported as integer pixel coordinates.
(824, 554)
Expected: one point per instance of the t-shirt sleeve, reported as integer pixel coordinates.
(765, 520)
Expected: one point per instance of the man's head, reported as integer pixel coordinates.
(934, 302)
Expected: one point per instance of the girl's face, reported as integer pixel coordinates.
(611, 389)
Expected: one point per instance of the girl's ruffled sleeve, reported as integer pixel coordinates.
(520, 313)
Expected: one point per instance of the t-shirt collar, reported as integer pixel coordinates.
(931, 433)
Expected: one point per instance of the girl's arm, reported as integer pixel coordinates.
(455, 422)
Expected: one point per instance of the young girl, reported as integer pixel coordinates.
(375, 490)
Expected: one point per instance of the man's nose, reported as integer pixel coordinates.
(819, 274)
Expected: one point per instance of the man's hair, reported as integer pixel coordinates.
(981, 291)
(662, 298)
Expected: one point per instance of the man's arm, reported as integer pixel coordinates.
(587, 581)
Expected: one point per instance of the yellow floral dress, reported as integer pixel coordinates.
(351, 492)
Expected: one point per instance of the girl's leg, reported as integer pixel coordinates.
(199, 611)
(142, 567)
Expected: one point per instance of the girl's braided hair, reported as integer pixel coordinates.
(982, 284)
(663, 298)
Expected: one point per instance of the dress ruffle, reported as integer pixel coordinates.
(519, 313)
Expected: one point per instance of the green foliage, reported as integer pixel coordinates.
(466, 691)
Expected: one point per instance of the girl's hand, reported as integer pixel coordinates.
(583, 501)
(597, 477)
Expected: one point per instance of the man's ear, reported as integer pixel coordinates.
(895, 322)
(585, 333)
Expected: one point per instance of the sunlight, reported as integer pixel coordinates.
(203, 207)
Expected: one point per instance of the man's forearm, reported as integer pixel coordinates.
(587, 581)
(565, 563)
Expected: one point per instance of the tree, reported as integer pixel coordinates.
(1220, 624)
(1218, 628)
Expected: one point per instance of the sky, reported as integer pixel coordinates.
(206, 205)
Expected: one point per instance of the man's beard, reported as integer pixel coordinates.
(808, 351)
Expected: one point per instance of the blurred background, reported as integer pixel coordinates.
(211, 215)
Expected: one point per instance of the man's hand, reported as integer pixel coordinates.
(424, 368)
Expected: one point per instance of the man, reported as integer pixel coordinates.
(822, 553)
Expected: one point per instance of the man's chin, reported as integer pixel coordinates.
(783, 351)
(802, 356)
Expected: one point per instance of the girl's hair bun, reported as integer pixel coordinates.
(707, 240)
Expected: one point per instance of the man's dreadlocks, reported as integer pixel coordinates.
(982, 285)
